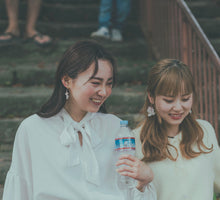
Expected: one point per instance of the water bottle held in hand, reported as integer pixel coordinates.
(124, 144)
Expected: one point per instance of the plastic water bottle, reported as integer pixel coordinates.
(124, 144)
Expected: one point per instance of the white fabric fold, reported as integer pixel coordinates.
(69, 138)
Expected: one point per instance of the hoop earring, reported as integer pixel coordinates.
(67, 94)
(150, 111)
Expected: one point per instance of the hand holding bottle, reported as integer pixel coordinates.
(131, 166)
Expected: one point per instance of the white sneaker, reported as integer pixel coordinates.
(116, 35)
(102, 32)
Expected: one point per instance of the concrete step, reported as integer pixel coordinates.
(60, 12)
(204, 9)
(134, 48)
(5, 161)
(131, 49)
(210, 27)
(8, 128)
(28, 64)
(216, 44)
(21, 102)
(33, 74)
(70, 30)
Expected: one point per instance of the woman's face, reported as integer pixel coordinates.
(86, 94)
(173, 109)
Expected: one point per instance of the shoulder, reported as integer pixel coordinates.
(36, 124)
(209, 137)
(35, 121)
(106, 118)
(205, 124)
(105, 124)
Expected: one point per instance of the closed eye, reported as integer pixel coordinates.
(110, 83)
(168, 100)
(95, 83)
(185, 99)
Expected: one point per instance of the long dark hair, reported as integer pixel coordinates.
(170, 77)
(76, 59)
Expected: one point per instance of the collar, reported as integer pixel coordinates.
(69, 138)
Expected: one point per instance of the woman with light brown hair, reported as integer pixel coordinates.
(181, 150)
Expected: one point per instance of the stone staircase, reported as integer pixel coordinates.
(207, 12)
(27, 71)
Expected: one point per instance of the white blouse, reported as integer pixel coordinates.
(187, 179)
(48, 162)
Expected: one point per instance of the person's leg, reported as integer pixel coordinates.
(105, 12)
(122, 11)
(12, 12)
(32, 16)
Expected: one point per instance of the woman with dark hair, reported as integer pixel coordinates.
(181, 150)
(66, 150)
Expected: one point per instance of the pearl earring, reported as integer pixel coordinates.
(150, 111)
(67, 94)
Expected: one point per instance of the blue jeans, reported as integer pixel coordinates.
(114, 13)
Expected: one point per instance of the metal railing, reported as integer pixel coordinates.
(173, 32)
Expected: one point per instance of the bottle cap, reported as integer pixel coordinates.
(124, 122)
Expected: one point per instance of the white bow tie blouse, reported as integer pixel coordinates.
(48, 162)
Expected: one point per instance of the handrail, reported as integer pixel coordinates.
(173, 32)
(200, 33)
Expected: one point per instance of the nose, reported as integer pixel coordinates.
(177, 106)
(102, 91)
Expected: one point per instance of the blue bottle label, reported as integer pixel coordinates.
(125, 143)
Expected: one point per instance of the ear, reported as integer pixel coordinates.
(65, 81)
(151, 99)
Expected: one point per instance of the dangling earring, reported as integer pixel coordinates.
(190, 111)
(150, 111)
(67, 94)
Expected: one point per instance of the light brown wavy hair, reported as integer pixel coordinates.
(170, 77)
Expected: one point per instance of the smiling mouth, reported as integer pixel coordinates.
(175, 116)
(96, 101)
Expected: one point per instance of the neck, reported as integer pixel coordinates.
(172, 131)
(75, 113)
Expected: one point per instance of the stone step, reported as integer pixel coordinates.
(27, 64)
(71, 30)
(33, 74)
(134, 48)
(74, 2)
(5, 161)
(216, 44)
(210, 27)
(60, 12)
(21, 102)
(204, 9)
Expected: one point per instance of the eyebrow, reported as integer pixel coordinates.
(181, 95)
(100, 79)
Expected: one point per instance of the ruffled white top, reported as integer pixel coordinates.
(192, 179)
(48, 162)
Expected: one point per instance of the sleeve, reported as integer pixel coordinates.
(148, 194)
(18, 183)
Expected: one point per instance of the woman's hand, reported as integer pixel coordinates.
(136, 169)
